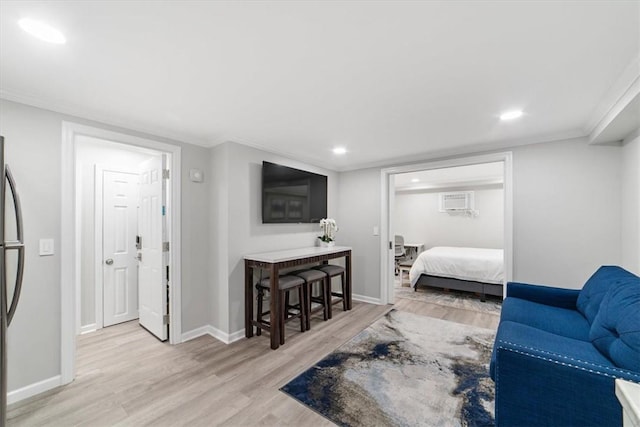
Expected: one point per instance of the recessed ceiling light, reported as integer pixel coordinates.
(510, 115)
(415, 180)
(339, 150)
(42, 31)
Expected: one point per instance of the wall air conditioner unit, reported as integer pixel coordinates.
(456, 201)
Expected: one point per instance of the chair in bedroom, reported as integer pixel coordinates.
(400, 251)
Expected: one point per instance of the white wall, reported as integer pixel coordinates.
(237, 218)
(566, 214)
(418, 219)
(92, 151)
(359, 212)
(33, 141)
(631, 204)
(566, 211)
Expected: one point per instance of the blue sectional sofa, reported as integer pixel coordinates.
(558, 351)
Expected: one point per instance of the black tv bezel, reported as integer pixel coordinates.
(313, 194)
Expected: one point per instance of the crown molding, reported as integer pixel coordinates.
(467, 150)
(82, 113)
(618, 97)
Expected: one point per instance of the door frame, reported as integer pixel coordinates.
(387, 194)
(98, 226)
(71, 233)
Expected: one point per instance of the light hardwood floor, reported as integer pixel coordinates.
(126, 377)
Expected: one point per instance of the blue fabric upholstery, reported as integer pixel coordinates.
(597, 286)
(616, 328)
(554, 361)
(561, 321)
(565, 298)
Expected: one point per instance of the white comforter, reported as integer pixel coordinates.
(477, 264)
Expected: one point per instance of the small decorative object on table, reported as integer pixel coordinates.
(329, 229)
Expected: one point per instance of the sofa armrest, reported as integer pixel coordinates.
(557, 297)
(536, 387)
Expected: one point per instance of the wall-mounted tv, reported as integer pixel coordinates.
(291, 195)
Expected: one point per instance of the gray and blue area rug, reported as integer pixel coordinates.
(404, 370)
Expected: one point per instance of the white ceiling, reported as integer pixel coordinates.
(387, 80)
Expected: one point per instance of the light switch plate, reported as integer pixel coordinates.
(46, 247)
(376, 230)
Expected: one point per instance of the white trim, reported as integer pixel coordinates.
(386, 195)
(368, 300)
(88, 328)
(70, 240)
(616, 98)
(101, 117)
(97, 236)
(33, 389)
(214, 333)
(68, 244)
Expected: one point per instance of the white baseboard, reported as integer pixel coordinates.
(88, 328)
(195, 333)
(215, 333)
(363, 298)
(33, 389)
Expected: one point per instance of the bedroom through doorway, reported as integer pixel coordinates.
(449, 229)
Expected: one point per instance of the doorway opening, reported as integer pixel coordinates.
(389, 229)
(120, 210)
(108, 186)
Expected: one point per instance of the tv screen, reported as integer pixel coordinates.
(291, 195)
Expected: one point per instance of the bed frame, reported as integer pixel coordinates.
(481, 288)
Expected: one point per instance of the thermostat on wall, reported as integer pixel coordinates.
(196, 175)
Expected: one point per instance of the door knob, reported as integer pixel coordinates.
(109, 261)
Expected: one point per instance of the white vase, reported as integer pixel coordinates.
(324, 244)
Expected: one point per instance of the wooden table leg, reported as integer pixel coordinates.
(248, 300)
(274, 307)
(348, 286)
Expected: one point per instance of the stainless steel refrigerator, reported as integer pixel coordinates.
(10, 227)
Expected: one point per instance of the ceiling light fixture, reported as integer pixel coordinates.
(510, 115)
(415, 180)
(339, 150)
(42, 31)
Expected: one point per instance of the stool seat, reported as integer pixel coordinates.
(330, 269)
(284, 282)
(310, 275)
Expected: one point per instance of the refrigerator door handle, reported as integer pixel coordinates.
(18, 245)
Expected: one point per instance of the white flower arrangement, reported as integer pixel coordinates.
(329, 229)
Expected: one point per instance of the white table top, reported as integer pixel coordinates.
(292, 254)
(629, 396)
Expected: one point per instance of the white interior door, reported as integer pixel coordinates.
(119, 268)
(152, 283)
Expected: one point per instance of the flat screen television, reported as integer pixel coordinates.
(291, 195)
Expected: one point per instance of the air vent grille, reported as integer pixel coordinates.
(456, 201)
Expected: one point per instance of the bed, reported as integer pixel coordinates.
(476, 270)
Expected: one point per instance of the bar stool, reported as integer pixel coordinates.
(332, 271)
(285, 285)
(310, 277)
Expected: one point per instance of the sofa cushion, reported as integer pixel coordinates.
(597, 286)
(559, 321)
(616, 329)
